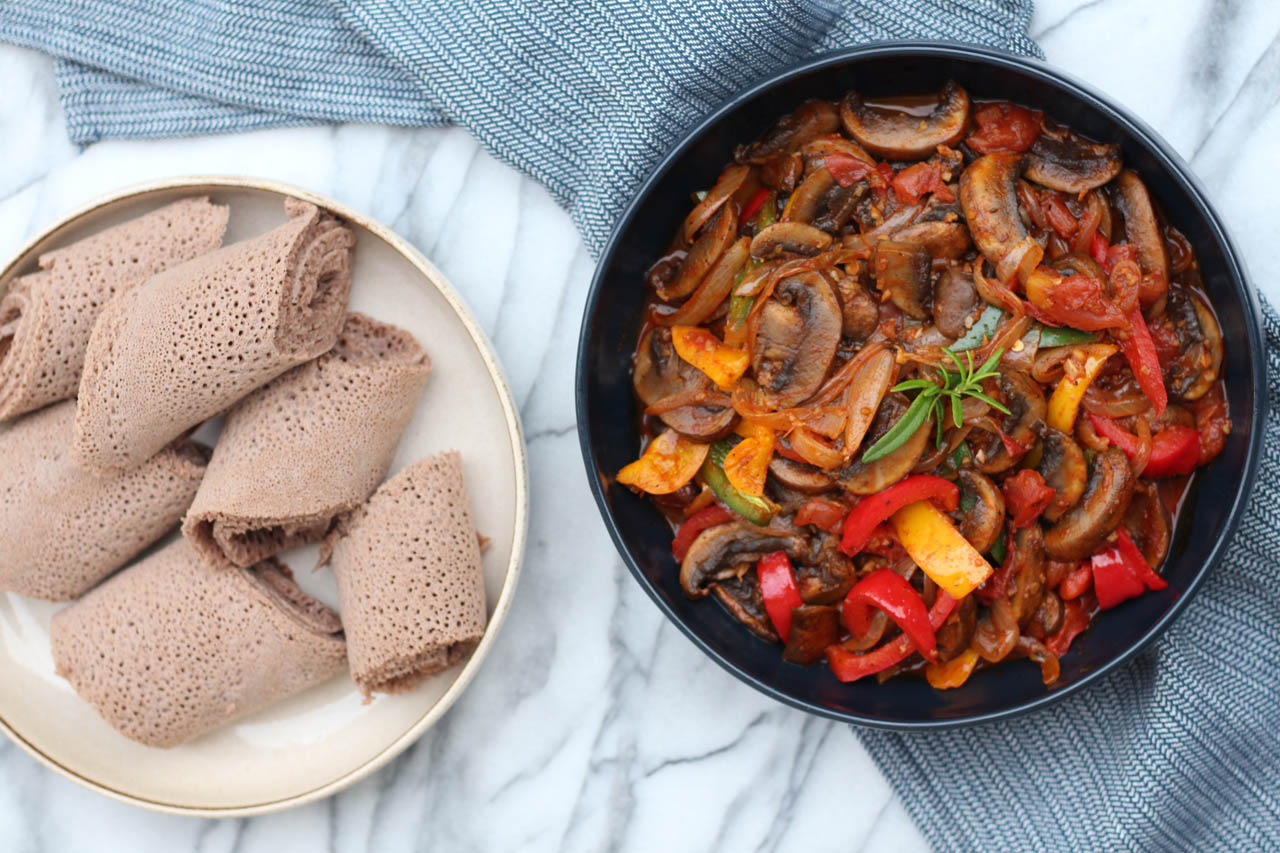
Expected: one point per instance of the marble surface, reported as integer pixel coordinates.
(595, 724)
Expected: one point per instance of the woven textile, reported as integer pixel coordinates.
(583, 95)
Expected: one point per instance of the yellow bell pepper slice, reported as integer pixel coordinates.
(953, 673)
(1064, 404)
(666, 465)
(939, 549)
(724, 364)
(747, 464)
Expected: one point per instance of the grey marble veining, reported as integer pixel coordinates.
(595, 724)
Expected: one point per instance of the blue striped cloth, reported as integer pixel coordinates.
(583, 95)
(1180, 750)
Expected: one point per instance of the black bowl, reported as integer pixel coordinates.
(607, 414)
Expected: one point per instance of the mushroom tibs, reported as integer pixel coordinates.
(923, 384)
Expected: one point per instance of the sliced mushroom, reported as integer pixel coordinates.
(902, 270)
(795, 238)
(800, 476)
(898, 134)
(989, 198)
(1063, 467)
(797, 339)
(742, 597)
(1062, 160)
(955, 302)
(860, 311)
(1105, 499)
(1024, 399)
(981, 525)
(813, 628)
(659, 373)
(1049, 614)
(1026, 581)
(717, 552)
(813, 118)
(945, 240)
(1198, 364)
(1141, 230)
(826, 574)
(1148, 522)
(956, 633)
(715, 238)
(867, 478)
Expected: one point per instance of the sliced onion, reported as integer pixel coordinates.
(714, 288)
(815, 450)
(688, 397)
(997, 632)
(1047, 368)
(867, 388)
(1142, 455)
(1020, 261)
(1105, 403)
(837, 381)
(726, 185)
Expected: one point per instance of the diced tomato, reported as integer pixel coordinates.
(1078, 301)
(1212, 422)
(1026, 495)
(1057, 215)
(847, 169)
(1003, 126)
(917, 181)
(1165, 338)
(823, 514)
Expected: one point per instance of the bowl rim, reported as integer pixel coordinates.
(1172, 163)
(520, 509)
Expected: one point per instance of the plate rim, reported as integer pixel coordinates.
(521, 510)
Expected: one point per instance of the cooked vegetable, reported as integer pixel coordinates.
(885, 589)
(1120, 572)
(755, 509)
(778, 586)
(667, 463)
(939, 549)
(880, 352)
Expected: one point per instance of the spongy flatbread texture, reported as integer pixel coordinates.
(409, 577)
(62, 529)
(171, 648)
(308, 447)
(46, 317)
(184, 346)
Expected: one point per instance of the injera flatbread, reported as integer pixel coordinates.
(46, 317)
(171, 648)
(62, 529)
(409, 578)
(308, 447)
(190, 342)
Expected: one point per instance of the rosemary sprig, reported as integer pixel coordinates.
(936, 397)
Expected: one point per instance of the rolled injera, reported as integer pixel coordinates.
(409, 579)
(187, 344)
(62, 529)
(46, 317)
(308, 447)
(172, 648)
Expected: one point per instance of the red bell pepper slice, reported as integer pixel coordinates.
(702, 519)
(1140, 351)
(1078, 612)
(1077, 583)
(847, 169)
(754, 204)
(1026, 495)
(872, 510)
(823, 514)
(778, 587)
(850, 666)
(1174, 450)
(1120, 572)
(887, 590)
(1098, 248)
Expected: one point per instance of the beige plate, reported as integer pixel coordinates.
(325, 739)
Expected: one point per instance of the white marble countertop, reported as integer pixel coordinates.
(595, 723)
